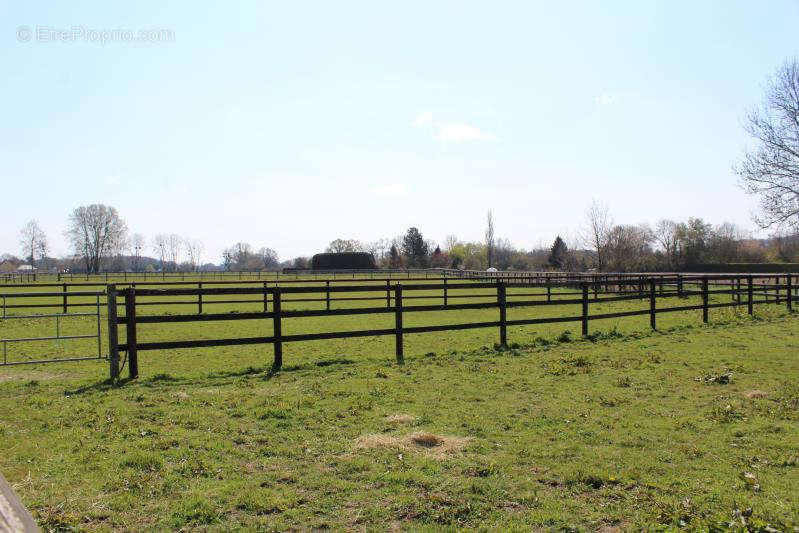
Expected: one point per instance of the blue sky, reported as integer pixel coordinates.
(289, 124)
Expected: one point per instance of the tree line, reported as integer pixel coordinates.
(600, 244)
(100, 241)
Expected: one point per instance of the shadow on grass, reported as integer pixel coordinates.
(268, 372)
(102, 385)
(273, 371)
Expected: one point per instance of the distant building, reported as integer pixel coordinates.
(26, 268)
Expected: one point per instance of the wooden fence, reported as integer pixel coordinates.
(746, 290)
(70, 292)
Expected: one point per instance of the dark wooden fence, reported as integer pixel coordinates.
(182, 276)
(71, 292)
(106, 277)
(746, 290)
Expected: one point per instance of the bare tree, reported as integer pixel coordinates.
(33, 241)
(786, 246)
(137, 245)
(379, 249)
(628, 248)
(665, 234)
(160, 249)
(227, 258)
(725, 243)
(96, 231)
(194, 249)
(269, 258)
(595, 234)
(174, 244)
(240, 257)
(344, 245)
(450, 241)
(502, 256)
(490, 238)
(44, 249)
(772, 170)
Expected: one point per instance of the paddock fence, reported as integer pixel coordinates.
(67, 295)
(399, 299)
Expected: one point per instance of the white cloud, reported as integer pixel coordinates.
(604, 99)
(389, 189)
(423, 119)
(460, 132)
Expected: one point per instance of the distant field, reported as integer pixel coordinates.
(633, 430)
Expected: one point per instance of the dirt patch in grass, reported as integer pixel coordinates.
(400, 420)
(757, 394)
(33, 375)
(423, 441)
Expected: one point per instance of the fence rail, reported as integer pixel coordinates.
(746, 290)
(70, 292)
(16, 278)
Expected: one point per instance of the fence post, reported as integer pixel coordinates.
(445, 292)
(200, 298)
(388, 294)
(327, 295)
(113, 336)
(277, 328)
(549, 292)
(789, 299)
(679, 286)
(503, 328)
(749, 292)
(738, 290)
(398, 323)
(652, 311)
(704, 299)
(585, 309)
(130, 322)
(266, 298)
(65, 306)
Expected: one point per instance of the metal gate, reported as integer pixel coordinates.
(22, 303)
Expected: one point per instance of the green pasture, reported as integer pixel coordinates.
(639, 431)
(690, 427)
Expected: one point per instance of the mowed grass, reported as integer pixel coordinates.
(629, 429)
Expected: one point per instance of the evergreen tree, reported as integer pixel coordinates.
(414, 248)
(558, 255)
(394, 259)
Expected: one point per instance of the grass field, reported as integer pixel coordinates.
(632, 429)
